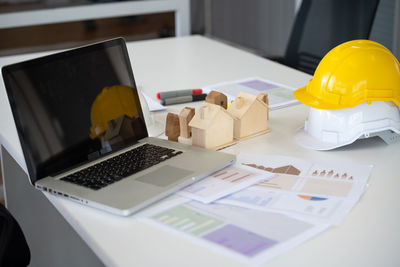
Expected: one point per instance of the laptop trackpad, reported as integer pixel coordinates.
(164, 176)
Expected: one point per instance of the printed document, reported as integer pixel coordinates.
(250, 236)
(224, 182)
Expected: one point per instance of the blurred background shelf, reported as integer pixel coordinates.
(46, 25)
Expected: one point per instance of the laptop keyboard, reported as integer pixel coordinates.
(116, 168)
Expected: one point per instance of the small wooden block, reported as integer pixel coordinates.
(172, 129)
(217, 98)
(185, 117)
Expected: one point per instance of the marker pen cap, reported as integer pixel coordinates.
(197, 91)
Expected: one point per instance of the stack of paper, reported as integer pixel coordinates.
(262, 206)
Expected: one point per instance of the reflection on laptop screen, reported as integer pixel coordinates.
(74, 106)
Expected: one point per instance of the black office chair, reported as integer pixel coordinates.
(14, 250)
(320, 25)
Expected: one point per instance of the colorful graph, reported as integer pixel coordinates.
(229, 236)
(312, 198)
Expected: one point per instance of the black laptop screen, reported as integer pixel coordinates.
(74, 106)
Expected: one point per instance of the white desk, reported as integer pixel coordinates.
(369, 236)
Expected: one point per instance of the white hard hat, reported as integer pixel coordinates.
(329, 129)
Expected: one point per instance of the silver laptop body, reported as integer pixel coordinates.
(51, 149)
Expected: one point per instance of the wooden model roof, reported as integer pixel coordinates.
(248, 101)
(210, 112)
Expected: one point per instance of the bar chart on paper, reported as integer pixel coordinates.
(233, 175)
(252, 198)
(187, 220)
(318, 180)
(246, 234)
(308, 185)
(207, 227)
(317, 209)
(222, 183)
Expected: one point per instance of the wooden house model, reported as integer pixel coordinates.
(185, 116)
(250, 115)
(212, 127)
(217, 98)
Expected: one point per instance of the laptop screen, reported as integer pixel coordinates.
(74, 106)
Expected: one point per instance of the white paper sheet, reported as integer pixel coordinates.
(279, 95)
(312, 191)
(250, 236)
(153, 104)
(224, 182)
(311, 178)
(312, 209)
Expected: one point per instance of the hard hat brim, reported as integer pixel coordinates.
(306, 98)
(305, 140)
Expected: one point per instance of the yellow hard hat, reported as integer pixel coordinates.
(111, 103)
(351, 73)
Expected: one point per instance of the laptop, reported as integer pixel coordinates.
(83, 133)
